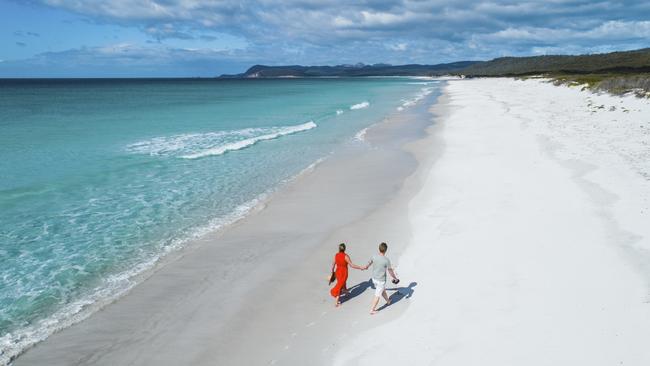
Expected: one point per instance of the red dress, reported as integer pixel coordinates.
(341, 274)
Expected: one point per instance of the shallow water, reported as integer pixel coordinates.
(100, 178)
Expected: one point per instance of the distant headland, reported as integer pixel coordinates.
(617, 72)
(262, 71)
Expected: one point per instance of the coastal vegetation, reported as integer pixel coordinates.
(263, 71)
(628, 62)
(614, 72)
(638, 84)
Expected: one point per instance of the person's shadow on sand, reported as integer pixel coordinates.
(356, 290)
(399, 294)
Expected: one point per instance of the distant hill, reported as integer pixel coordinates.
(615, 62)
(262, 71)
(626, 62)
(615, 72)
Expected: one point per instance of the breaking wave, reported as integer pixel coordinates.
(199, 145)
(360, 105)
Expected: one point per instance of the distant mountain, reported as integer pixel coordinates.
(637, 61)
(262, 71)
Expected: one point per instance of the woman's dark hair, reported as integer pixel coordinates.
(383, 247)
(342, 247)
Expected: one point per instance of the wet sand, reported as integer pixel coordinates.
(256, 293)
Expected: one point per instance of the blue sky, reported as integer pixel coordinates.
(107, 38)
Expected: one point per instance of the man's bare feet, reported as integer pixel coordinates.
(373, 312)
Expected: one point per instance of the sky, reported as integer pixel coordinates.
(187, 38)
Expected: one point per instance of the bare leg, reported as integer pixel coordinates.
(336, 302)
(375, 301)
(385, 295)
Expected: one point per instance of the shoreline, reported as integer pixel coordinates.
(72, 345)
(107, 296)
(316, 332)
(148, 242)
(516, 217)
(530, 236)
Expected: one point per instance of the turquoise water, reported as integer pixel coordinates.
(100, 178)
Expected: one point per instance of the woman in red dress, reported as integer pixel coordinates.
(340, 270)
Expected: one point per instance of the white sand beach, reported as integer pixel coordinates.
(519, 226)
(261, 284)
(530, 237)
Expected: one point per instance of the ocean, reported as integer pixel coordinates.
(99, 179)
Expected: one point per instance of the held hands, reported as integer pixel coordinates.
(361, 268)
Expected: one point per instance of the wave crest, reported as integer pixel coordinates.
(199, 145)
(418, 97)
(361, 135)
(360, 105)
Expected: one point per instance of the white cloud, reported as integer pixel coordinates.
(394, 31)
(326, 21)
(621, 29)
(398, 47)
(384, 18)
(342, 22)
(121, 9)
(607, 32)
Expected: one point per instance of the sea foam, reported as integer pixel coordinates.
(361, 135)
(104, 229)
(116, 285)
(219, 150)
(418, 97)
(360, 105)
(194, 146)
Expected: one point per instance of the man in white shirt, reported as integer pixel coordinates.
(380, 264)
